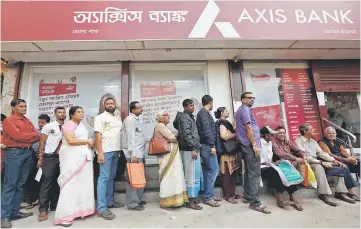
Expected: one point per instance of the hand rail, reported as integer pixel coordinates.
(337, 127)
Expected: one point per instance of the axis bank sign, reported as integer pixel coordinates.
(209, 15)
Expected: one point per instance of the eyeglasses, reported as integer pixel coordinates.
(254, 98)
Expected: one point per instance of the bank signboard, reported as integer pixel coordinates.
(181, 20)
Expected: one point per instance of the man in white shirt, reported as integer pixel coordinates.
(270, 174)
(50, 142)
(107, 133)
(133, 145)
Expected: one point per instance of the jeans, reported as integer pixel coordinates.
(17, 167)
(105, 187)
(210, 170)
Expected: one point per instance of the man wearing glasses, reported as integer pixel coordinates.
(249, 135)
(133, 145)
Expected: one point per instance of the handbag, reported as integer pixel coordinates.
(136, 175)
(231, 146)
(309, 178)
(288, 173)
(158, 146)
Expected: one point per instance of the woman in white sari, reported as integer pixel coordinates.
(76, 171)
(173, 189)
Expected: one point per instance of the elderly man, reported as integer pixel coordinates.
(307, 143)
(333, 146)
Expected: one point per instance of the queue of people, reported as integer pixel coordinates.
(195, 154)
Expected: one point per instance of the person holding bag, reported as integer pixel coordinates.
(173, 189)
(269, 171)
(133, 146)
(228, 163)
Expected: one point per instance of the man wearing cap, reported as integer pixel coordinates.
(271, 175)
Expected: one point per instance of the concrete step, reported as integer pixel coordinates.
(152, 195)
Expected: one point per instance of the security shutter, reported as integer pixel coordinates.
(337, 75)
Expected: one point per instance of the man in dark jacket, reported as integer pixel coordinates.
(207, 134)
(189, 146)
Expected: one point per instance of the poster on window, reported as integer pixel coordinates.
(156, 96)
(57, 93)
(65, 89)
(300, 101)
(263, 83)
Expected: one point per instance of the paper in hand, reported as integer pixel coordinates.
(38, 175)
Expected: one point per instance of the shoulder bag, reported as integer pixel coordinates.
(158, 146)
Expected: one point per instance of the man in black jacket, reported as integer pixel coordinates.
(207, 134)
(189, 146)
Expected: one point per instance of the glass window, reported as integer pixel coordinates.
(164, 87)
(85, 87)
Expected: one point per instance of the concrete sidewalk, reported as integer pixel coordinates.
(316, 214)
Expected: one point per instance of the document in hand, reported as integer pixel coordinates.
(38, 175)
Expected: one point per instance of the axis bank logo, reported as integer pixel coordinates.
(211, 11)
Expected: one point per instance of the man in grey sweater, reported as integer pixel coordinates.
(133, 146)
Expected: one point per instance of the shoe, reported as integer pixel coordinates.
(68, 224)
(6, 223)
(137, 208)
(328, 200)
(21, 216)
(344, 197)
(143, 203)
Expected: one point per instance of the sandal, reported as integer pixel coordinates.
(216, 198)
(232, 200)
(245, 201)
(211, 203)
(260, 208)
(29, 206)
(297, 206)
(194, 206)
(42, 217)
(237, 197)
(283, 203)
(107, 215)
(196, 201)
(354, 197)
(116, 205)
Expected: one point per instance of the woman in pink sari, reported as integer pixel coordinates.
(76, 171)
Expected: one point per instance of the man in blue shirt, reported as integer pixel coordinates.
(250, 138)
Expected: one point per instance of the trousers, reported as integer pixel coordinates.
(274, 181)
(210, 170)
(134, 196)
(49, 187)
(17, 167)
(252, 175)
(105, 186)
(322, 183)
(32, 187)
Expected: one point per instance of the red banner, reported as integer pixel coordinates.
(46, 89)
(300, 101)
(152, 90)
(268, 116)
(141, 20)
